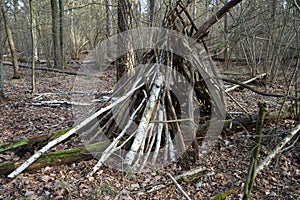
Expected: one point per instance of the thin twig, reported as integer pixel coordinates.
(179, 187)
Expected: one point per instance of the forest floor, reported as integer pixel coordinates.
(226, 165)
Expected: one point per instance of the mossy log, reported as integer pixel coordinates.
(22, 146)
(223, 195)
(66, 156)
(25, 145)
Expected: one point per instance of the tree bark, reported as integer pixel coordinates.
(108, 11)
(151, 11)
(255, 152)
(125, 63)
(58, 62)
(11, 42)
(61, 30)
(1, 63)
(34, 50)
(22, 146)
(212, 20)
(62, 157)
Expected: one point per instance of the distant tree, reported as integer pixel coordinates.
(61, 30)
(34, 50)
(58, 60)
(1, 63)
(151, 11)
(108, 5)
(10, 41)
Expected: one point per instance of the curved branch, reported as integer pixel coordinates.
(255, 90)
(216, 17)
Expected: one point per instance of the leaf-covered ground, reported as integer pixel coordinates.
(226, 164)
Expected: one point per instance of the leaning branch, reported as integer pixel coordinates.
(277, 150)
(179, 187)
(215, 18)
(247, 81)
(51, 144)
(255, 90)
(62, 157)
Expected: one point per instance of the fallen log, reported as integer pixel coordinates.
(247, 81)
(56, 103)
(61, 71)
(62, 157)
(225, 194)
(28, 144)
(68, 134)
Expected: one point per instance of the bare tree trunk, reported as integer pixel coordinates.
(1, 62)
(58, 62)
(11, 43)
(108, 5)
(34, 50)
(125, 63)
(73, 38)
(226, 52)
(151, 11)
(61, 30)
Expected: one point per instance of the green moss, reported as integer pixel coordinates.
(73, 151)
(59, 132)
(25, 141)
(108, 190)
(5, 164)
(60, 154)
(95, 146)
(13, 144)
(223, 195)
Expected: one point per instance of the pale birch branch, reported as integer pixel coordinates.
(51, 144)
(277, 150)
(179, 187)
(145, 120)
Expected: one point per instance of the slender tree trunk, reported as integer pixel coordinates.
(108, 5)
(33, 42)
(255, 152)
(61, 30)
(226, 52)
(151, 11)
(1, 61)
(16, 9)
(125, 63)
(109, 26)
(11, 43)
(58, 62)
(73, 37)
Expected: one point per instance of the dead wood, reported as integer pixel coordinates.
(215, 18)
(255, 90)
(62, 157)
(25, 145)
(61, 71)
(247, 81)
(277, 150)
(185, 177)
(136, 141)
